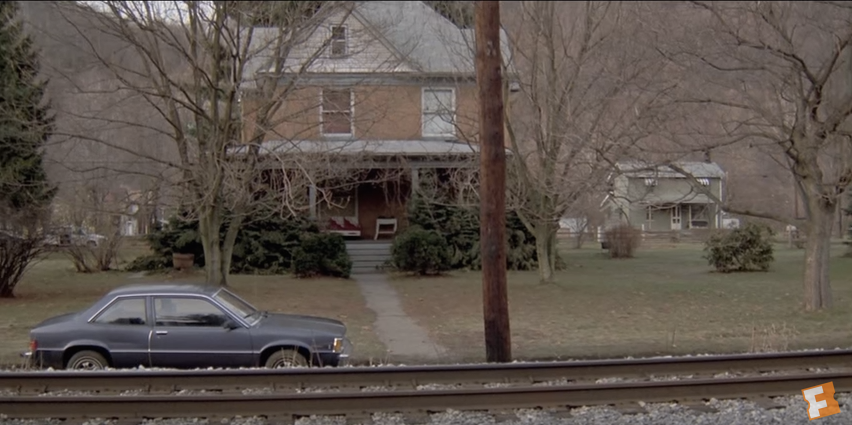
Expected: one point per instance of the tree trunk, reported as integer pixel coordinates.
(817, 257)
(545, 246)
(228, 246)
(209, 225)
(7, 292)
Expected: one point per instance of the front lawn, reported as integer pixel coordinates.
(664, 301)
(52, 287)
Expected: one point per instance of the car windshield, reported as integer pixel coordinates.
(235, 304)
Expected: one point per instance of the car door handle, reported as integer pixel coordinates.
(162, 332)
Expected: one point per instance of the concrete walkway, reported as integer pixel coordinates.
(404, 339)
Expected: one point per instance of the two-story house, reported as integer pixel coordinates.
(391, 93)
(662, 199)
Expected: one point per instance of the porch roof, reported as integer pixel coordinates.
(639, 169)
(370, 147)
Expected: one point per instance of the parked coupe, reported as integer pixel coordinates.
(184, 326)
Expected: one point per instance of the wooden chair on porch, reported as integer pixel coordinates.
(385, 221)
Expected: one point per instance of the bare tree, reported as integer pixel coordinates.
(589, 94)
(217, 77)
(773, 77)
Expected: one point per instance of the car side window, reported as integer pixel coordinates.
(187, 312)
(128, 311)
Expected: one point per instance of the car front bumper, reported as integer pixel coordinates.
(329, 358)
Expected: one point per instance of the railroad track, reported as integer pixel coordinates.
(412, 376)
(291, 406)
(347, 400)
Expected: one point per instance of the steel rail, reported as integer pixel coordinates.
(228, 379)
(343, 403)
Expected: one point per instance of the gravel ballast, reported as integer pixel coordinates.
(729, 412)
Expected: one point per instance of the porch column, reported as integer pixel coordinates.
(312, 201)
(415, 180)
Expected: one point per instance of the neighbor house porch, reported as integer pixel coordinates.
(679, 216)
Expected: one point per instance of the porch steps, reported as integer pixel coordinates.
(368, 256)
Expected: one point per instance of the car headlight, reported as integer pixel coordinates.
(338, 345)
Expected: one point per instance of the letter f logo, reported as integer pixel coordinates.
(823, 406)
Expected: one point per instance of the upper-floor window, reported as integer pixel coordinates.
(336, 112)
(339, 41)
(439, 107)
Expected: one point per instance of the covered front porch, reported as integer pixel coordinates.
(361, 189)
(678, 216)
(373, 204)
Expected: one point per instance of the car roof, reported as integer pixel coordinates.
(164, 288)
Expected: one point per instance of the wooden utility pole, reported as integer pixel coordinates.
(492, 228)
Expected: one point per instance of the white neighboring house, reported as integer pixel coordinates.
(129, 222)
(658, 198)
(574, 224)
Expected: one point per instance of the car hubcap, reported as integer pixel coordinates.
(282, 363)
(87, 364)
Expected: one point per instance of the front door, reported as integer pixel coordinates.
(190, 332)
(125, 328)
(676, 217)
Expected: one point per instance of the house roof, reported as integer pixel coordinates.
(371, 147)
(422, 37)
(639, 169)
(428, 40)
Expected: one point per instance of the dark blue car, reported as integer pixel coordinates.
(184, 326)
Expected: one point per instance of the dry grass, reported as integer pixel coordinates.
(53, 287)
(664, 301)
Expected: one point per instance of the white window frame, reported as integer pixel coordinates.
(423, 111)
(649, 213)
(332, 41)
(351, 111)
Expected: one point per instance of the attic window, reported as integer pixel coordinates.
(650, 182)
(704, 181)
(338, 41)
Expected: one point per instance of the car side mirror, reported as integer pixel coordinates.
(231, 325)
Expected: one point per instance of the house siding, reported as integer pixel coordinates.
(670, 189)
(380, 113)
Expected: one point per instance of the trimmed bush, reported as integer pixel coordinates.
(421, 251)
(748, 248)
(622, 241)
(263, 246)
(459, 226)
(322, 254)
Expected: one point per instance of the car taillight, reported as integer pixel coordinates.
(33, 346)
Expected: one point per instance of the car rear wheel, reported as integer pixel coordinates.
(86, 360)
(286, 358)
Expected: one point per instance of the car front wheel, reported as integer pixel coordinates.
(286, 358)
(86, 360)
